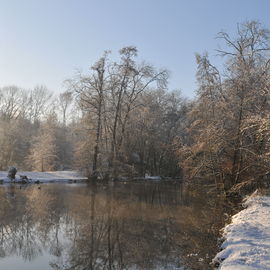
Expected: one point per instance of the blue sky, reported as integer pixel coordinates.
(45, 41)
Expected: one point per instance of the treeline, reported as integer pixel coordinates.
(119, 119)
(33, 133)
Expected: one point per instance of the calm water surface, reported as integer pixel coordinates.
(120, 226)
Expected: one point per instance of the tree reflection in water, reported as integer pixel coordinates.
(120, 226)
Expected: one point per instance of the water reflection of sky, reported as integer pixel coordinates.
(14, 262)
(120, 226)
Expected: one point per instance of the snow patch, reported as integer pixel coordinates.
(247, 238)
(148, 177)
(43, 177)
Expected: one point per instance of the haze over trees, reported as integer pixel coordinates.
(119, 119)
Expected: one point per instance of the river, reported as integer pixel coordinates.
(135, 225)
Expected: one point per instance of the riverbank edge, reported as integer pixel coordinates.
(23, 177)
(246, 240)
(28, 177)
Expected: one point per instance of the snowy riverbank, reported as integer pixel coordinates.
(247, 238)
(45, 177)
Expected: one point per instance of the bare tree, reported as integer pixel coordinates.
(128, 81)
(38, 103)
(65, 100)
(91, 97)
(12, 102)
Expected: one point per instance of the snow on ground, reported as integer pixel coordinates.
(57, 176)
(148, 177)
(247, 238)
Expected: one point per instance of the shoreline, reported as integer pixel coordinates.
(43, 177)
(247, 238)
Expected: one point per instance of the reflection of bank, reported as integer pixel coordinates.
(124, 226)
(121, 230)
(11, 191)
(18, 235)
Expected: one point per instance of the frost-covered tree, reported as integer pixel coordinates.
(107, 97)
(44, 154)
(13, 102)
(201, 155)
(64, 102)
(38, 103)
(228, 132)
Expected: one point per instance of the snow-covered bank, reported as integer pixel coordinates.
(43, 177)
(247, 238)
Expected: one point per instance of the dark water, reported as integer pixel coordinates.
(120, 226)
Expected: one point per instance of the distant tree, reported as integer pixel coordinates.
(65, 100)
(12, 102)
(38, 103)
(44, 152)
